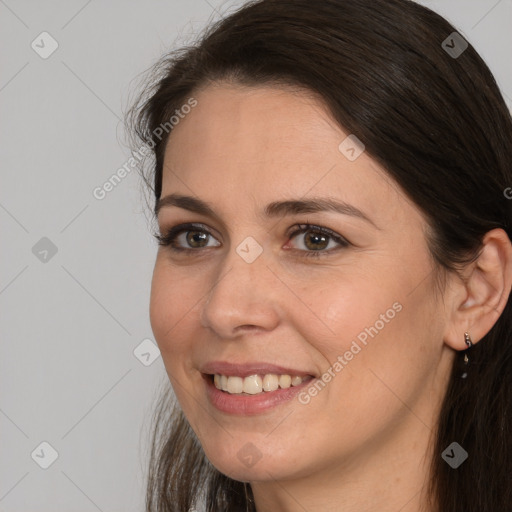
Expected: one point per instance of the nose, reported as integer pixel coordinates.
(243, 297)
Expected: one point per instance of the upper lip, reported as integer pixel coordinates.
(246, 369)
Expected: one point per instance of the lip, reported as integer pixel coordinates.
(250, 405)
(246, 369)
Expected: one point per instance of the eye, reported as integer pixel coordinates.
(318, 239)
(185, 238)
(189, 238)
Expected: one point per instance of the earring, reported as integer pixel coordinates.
(469, 343)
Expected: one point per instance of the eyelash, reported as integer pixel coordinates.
(168, 238)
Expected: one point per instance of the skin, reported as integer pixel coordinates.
(361, 444)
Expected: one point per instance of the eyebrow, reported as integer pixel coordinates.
(274, 209)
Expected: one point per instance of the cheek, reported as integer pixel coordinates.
(343, 309)
(386, 348)
(172, 302)
(173, 318)
(373, 337)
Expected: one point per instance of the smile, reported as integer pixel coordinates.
(256, 384)
(266, 392)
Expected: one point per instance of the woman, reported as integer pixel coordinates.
(331, 291)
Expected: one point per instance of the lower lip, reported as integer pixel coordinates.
(245, 405)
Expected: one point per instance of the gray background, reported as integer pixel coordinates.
(70, 322)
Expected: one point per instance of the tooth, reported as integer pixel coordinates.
(235, 385)
(296, 380)
(270, 382)
(285, 381)
(253, 384)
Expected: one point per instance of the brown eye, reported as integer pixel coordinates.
(315, 241)
(186, 237)
(318, 241)
(196, 238)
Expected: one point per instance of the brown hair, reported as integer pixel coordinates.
(439, 126)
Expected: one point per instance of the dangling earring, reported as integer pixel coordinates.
(469, 343)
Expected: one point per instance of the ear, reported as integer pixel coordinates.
(477, 301)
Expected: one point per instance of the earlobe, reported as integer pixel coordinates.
(481, 298)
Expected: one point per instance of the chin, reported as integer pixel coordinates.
(248, 464)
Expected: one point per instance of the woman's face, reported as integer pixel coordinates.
(354, 310)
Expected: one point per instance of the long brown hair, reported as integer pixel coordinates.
(438, 124)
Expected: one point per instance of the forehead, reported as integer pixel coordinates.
(268, 143)
(246, 120)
